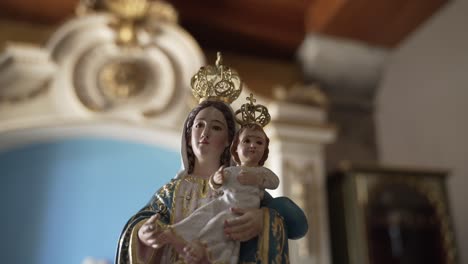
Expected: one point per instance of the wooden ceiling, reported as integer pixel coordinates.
(273, 28)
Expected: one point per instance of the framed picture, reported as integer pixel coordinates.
(383, 215)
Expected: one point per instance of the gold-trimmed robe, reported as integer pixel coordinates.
(179, 198)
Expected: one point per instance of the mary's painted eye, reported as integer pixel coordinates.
(198, 125)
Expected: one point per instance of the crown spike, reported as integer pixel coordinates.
(216, 83)
(219, 59)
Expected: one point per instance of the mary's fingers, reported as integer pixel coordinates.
(238, 229)
(243, 236)
(188, 254)
(148, 228)
(153, 219)
(151, 234)
(151, 241)
(236, 222)
(238, 210)
(150, 224)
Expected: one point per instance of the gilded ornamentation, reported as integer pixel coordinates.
(128, 13)
(162, 11)
(174, 203)
(105, 78)
(203, 183)
(128, 9)
(216, 83)
(277, 228)
(253, 114)
(122, 65)
(122, 80)
(302, 94)
(134, 15)
(201, 191)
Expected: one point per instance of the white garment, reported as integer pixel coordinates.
(207, 222)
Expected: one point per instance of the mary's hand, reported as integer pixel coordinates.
(149, 231)
(247, 225)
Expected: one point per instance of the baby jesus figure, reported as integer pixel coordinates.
(201, 233)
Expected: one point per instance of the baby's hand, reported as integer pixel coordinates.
(218, 177)
(195, 252)
(248, 178)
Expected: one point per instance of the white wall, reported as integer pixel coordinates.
(422, 106)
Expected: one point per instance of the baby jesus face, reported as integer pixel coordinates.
(251, 147)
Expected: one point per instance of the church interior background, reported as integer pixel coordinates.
(93, 94)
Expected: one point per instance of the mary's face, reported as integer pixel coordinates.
(209, 135)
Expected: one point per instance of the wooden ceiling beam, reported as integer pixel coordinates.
(267, 27)
(38, 11)
(275, 23)
(383, 23)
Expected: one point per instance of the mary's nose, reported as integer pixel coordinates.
(205, 133)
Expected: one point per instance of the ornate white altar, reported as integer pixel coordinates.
(298, 137)
(96, 77)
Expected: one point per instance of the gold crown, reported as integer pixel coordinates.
(253, 114)
(216, 83)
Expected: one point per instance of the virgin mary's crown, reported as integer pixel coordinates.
(216, 83)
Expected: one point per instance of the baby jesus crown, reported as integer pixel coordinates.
(252, 114)
(216, 83)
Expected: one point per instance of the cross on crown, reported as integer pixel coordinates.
(252, 114)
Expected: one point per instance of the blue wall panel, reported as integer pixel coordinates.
(67, 200)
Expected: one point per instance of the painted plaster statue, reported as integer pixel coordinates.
(239, 186)
(208, 132)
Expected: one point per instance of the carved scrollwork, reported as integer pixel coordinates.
(18, 98)
(25, 73)
(107, 77)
